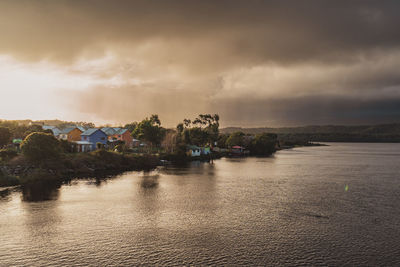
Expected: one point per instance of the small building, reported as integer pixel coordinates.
(110, 130)
(237, 150)
(90, 138)
(122, 135)
(135, 142)
(83, 146)
(193, 151)
(48, 127)
(17, 143)
(81, 128)
(70, 134)
(55, 130)
(205, 150)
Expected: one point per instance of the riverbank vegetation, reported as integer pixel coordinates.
(41, 156)
(383, 133)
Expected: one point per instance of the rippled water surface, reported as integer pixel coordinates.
(335, 205)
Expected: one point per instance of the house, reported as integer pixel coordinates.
(237, 150)
(90, 138)
(118, 134)
(193, 151)
(17, 143)
(122, 135)
(205, 150)
(70, 134)
(56, 131)
(48, 127)
(135, 142)
(110, 130)
(81, 128)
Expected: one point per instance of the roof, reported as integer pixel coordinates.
(48, 127)
(56, 131)
(193, 147)
(121, 131)
(108, 130)
(90, 131)
(81, 128)
(67, 130)
(113, 130)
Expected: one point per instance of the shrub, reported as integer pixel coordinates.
(67, 147)
(119, 148)
(6, 180)
(7, 154)
(39, 147)
(5, 136)
(263, 144)
(99, 145)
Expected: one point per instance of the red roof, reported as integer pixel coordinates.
(237, 147)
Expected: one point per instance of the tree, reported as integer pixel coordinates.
(263, 144)
(5, 136)
(221, 142)
(202, 130)
(39, 147)
(235, 139)
(170, 140)
(35, 128)
(67, 146)
(131, 126)
(150, 130)
(195, 136)
(120, 148)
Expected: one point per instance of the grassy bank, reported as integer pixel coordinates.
(75, 165)
(8, 180)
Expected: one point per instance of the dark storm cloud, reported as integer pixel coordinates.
(314, 110)
(242, 32)
(330, 53)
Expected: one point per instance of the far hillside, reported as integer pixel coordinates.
(330, 133)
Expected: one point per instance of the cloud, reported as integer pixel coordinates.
(255, 62)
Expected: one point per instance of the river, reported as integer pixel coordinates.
(328, 205)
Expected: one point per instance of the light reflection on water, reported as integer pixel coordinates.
(289, 209)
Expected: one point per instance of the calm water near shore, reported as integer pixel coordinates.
(334, 205)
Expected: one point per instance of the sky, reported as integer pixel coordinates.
(255, 63)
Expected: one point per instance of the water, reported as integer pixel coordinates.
(336, 205)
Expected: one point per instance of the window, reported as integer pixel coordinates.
(103, 138)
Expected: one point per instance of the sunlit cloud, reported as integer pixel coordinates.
(259, 64)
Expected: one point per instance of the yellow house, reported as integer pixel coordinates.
(70, 134)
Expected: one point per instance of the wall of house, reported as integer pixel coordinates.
(127, 138)
(195, 152)
(97, 137)
(74, 135)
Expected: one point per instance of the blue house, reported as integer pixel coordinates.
(90, 138)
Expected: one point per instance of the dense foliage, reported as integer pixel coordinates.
(235, 139)
(5, 136)
(263, 144)
(202, 131)
(39, 147)
(6, 180)
(150, 130)
(329, 133)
